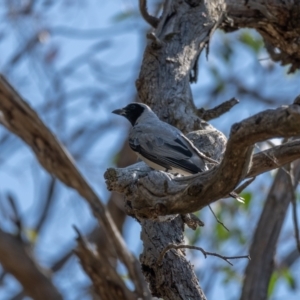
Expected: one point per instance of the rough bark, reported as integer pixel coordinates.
(164, 84)
(164, 80)
(276, 21)
(175, 278)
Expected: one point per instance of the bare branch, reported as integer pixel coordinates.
(24, 122)
(217, 111)
(16, 259)
(106, 281)
(217, 219)
(274, 158)
(48, 200)
(205, 253)
(153, 21)
(244, 185)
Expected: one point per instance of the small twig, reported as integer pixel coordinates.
(217, 219)
(237, 197)
(244, 185)
(17, 217)
(195, 70)
(153, 21)
(217, 111)
(49, 195)
(200, 154)
(205, 253)
(274, 160)
(79, 236)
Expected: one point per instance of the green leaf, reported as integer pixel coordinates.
(31, 235)
(290, 280)
(247, 197)
(254, 43)
(272, 283)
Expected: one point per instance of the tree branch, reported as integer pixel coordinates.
(275, 20)
(16, 259)
(217, 111)
(261, 266)
(106, 280)
(153, 21)
(20, 119)
(205, 253)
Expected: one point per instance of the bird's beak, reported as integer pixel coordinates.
(120, 112)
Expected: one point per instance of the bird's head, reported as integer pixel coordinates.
(132, 111)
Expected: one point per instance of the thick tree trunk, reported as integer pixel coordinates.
(164, 84)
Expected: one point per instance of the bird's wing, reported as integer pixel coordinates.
(170, 151)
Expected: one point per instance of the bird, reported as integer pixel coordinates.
(162, 146)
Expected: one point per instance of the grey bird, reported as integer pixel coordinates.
(160, 145)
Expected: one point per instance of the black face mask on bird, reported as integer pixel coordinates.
(159, 144)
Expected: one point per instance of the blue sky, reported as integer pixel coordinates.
(115, 67)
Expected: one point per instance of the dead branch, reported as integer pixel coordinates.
(107, 282)
(217, 219)
(217, 111)
(205, 253)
